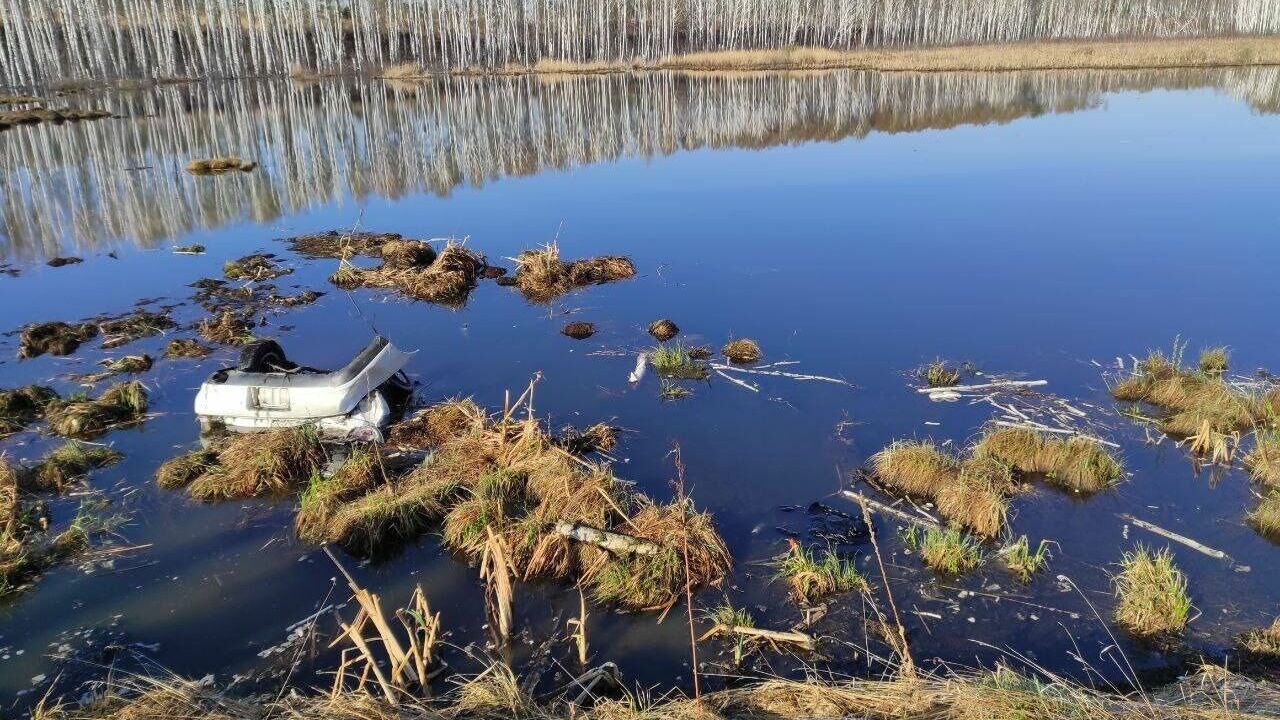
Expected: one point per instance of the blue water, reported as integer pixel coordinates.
(1044, 246)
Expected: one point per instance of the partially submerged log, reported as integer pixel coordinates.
(615, 543)
(890, 510)
(792, 638)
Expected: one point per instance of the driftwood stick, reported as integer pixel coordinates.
(779, 373)
(792, 638)
(983, 386)
(736, 381)
(1032, 425)
(1180, 539)
(616, 543)
(890, 510)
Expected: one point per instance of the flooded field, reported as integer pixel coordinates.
(1022, 226)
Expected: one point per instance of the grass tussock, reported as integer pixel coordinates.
(663, 330)
(978, 498)
(578, 330)
(938, 375)
(600, 437)
(357, 475)
(406, 254)
(743, 351)
(266, 464)
(676, 362)
(219, 165)
(185, 348)
(813, 579)
(541, 276)
(341, 246)
(1076, 463)
(1262, 642)
(54, 338)
(915, 467)
(80, 417)
(255, 267)
(134, 326)
(64, 466)
(227, 328)
(947, 551)
(1024, 562)
(1151, 595)
(1265, 516)
(182, 470)
(447, 280)
(23, 406)
(1263, 460)
(433, 426)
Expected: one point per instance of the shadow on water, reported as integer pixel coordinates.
(860, 223)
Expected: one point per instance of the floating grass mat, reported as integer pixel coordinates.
(560, 516)
(677, 362)
(23, 406)
(541, 276)
(1076, 463)
(447, 279)
(1208, 693)
(813, 579)
(1151, 595)
(80, 417)
(341, 245)
(186, 348)
(35, 116)
(228, 327)
(62, 467)
(126, 365)
(255, 267)
(599, 437)
(220, 165)
(134, 326)
(1262, 643)
(306, 297)
(938, 374)
(273, 463)
(1198, 403)
(1265, 516)
(1263, 460)
(578, 330)
(663, 330)
(58, 262)
(54, 338)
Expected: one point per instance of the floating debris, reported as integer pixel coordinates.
(255, 267)
(54, 338)
(23, 406)
(120, 405)
(341, 246)
(63, 261)
(188, 250)
(60, 468)
(448, 280)
(134, 326)
(1151, 594)
(579, 330)
(743, 351)
(129, 364)
(35, 116)
(664, 330)
(186, 348)
(220, 165)
(541, 276)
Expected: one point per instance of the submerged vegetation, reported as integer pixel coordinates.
(813, 579)
(1024, 562)
(61, 467)
(1151, 593)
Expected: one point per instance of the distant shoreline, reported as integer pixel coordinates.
(1039, 55)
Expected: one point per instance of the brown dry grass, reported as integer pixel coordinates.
(22, 406)
(83, 418)
(1151, 595)
(447, 280)
(435, 425)
(62, 467)
(978, 498)
(1263, 461)
(186, 348)
(1076, 463)
(54, 338)
(743, 351)
(264, 464)
(916, 468)
(182, 470)
(541, 276)
(341, 246)
(1263, 642)
(228, 328)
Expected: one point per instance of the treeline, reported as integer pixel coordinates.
(46, 40)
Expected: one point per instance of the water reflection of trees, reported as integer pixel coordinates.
(87, 184)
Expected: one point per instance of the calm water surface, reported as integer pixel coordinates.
(861, 224)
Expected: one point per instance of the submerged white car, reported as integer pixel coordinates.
(266, 391)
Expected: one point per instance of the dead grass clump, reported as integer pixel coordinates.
(1077, 463)
(579, 330)
(916, 468)
(306, 297)
(743, 351)
(79, 417)
(22, 406)
(663, 330)
(1263, 461)
(1214, 362)
(434, 426)
(1263, 642)
(181, 471)
(405, 254)
(1151, 594)
(1265, 517)
(647, 582)
(264, 464)
(61, 468)
(813, 580)
(228, 328)
(542, 276)
(599, 437)
(387, 515)
(134, 326)
(341, 246)
(347, 277)
(255, 267)
(54, 338)
(495, 502)
(448, 280)
(186, 348)
(220, 164)
(1192, 400)
(979, 498)
(58, 262)
(937, 375)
